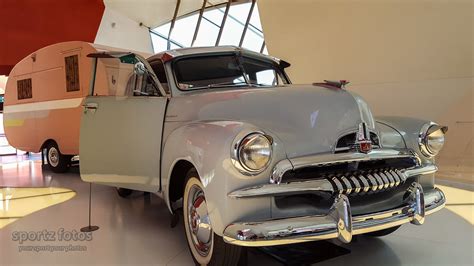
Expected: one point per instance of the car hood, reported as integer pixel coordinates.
(307, 119)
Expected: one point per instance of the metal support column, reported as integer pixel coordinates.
(247, 23)
(178, 3)
(226, 13)
(263, 47)
(198, 24)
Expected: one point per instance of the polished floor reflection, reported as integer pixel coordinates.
(137, 231)
(17, 202)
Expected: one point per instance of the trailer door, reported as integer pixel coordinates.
(120, 140)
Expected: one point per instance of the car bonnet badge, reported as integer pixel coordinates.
(363, 142)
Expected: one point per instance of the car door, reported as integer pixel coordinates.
(120, 139)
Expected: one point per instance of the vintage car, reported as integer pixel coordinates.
(253, 160)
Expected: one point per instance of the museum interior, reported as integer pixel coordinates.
(236, 132)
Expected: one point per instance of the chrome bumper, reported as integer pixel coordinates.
(338, 223)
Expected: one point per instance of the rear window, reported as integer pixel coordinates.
(72, 73)
(24, 89)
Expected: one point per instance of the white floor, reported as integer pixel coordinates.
(137, 231)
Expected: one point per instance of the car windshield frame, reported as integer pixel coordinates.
(239, 57)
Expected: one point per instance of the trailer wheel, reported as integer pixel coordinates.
(58, 163)
(124, 192)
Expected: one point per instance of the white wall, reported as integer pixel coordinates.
(3, 83)
(407, 58)
(119, 31)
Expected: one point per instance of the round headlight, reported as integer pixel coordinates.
(432, 139)
(255, 152)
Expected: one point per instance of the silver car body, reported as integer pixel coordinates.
(202, 128)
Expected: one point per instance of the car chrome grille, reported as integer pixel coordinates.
(357, 178)
(366, 183)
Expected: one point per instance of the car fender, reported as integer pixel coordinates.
(410, 129)
(207, 146)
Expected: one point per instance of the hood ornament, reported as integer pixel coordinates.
(363, 142)
(332, 84)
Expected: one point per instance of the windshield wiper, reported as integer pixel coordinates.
(226, 84)
(219, 85)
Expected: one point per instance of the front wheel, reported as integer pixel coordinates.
(206, 247)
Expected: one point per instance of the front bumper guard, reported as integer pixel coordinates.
(338, 223)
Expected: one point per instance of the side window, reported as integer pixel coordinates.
(140, 83)
(72, 73)
(24, 89)
(159, 69)
(267, 78)
(262, 73)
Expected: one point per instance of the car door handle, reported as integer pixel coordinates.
(90, 106)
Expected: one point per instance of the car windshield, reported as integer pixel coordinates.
(231, 70)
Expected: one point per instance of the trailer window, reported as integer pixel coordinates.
(24, 89)
(72, 73)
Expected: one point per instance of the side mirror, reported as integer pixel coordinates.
(140, 68)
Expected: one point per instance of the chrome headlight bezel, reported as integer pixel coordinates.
(240, 145)
(428, 130)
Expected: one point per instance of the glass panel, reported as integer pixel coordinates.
(234, 25)
(262, 73)
(252, 41)
(159, 44)
(72, 73)
(163, 29)
(207, 34)
(254, 37)
(266, 77)
(215, 15)
(255, 19)
(210, 25)
(173, 46)
(201, 72)
(183, 30)
(24, 89)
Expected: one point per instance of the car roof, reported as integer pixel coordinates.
(176, 53)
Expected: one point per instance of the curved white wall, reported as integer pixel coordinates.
(407, 58)
(117, 30)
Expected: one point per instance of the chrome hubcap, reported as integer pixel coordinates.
(53, 156)
(198, 221)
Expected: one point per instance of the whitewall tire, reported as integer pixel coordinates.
(58, 162)
(205, 246)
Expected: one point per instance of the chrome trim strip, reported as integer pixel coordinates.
(333, 158)
(338, 223)
(390, 179)
(279, 170)
(348, 185)
(356, 183)
(323, 185)
(324, 159)
(429, 169)
(379, 181)
(386, 182)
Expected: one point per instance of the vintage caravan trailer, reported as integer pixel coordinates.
(44, 96)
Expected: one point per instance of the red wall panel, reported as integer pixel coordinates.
(27, 25)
